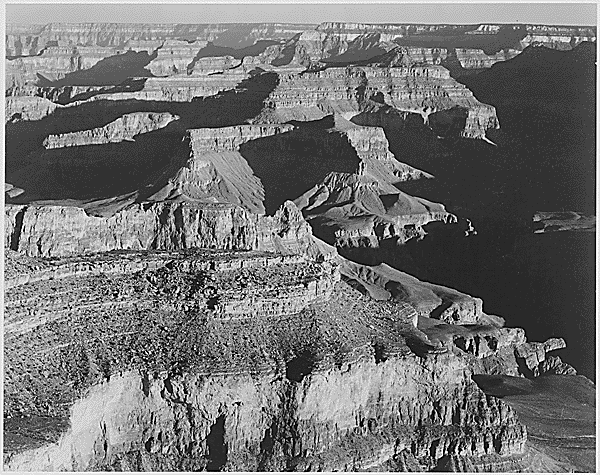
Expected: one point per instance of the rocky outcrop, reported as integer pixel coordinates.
(429, 300)
(558, 37)
(174, 57)
(477, 59)
(48, 231)
(249, 284)
(31, 39)
(230, 138)
(168, 89)
(427, 90)
(214, 65)
(532, 357)
(226, 396)
(124, 128)
(54, 63)
(249, 409)
(551, 221)
(19, 108)
(364, 207)
(214, 171)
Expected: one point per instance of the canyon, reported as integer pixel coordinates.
(287, 247)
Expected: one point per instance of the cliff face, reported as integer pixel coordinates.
(214, 170)
(124, 128)
(54, 63)
(425, 90)
(172, 430)
(30, 39)
(281, 366)
(174, 57)
(47, 231)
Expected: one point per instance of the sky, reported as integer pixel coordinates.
(316, 12)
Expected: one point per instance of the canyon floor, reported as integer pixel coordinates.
(279, 247)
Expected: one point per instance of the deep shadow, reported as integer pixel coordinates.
(287, 53)
(300, 366)
(63, 95)
(544, 160)
(109, 71)
(501, 386)
(292, 163)
(507, 37)
(102, 171)
(362, 49)
(217, 448)
(212, 50)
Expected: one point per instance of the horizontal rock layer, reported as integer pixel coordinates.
(49, 231)
(421, 89)
(245, 390)
(123, 128)
(30, 39)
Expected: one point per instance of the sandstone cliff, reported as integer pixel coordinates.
(47, 231)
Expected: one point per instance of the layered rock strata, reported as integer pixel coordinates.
(477, 59)
(214, 171)
(54, 63)
(264, 368)
(425, 90)
(559, 37)
(174, 57)
(186, 318)
(30, 39)
(48, 231)
(124, 128)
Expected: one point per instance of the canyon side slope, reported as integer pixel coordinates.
(215, 242)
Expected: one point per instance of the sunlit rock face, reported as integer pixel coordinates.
(426, 90)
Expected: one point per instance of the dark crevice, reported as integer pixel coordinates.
(217, 448)
(291, 163)
(300, 366)
(16, 234)
(380, 354)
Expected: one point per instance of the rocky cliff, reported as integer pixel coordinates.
(123, 128)
(25, 40)
(394, 79)
(47, 231)
(270, 342)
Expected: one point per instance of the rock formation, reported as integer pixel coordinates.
(211, 233)
(545, 221)
(394, 79)
(124, 128)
